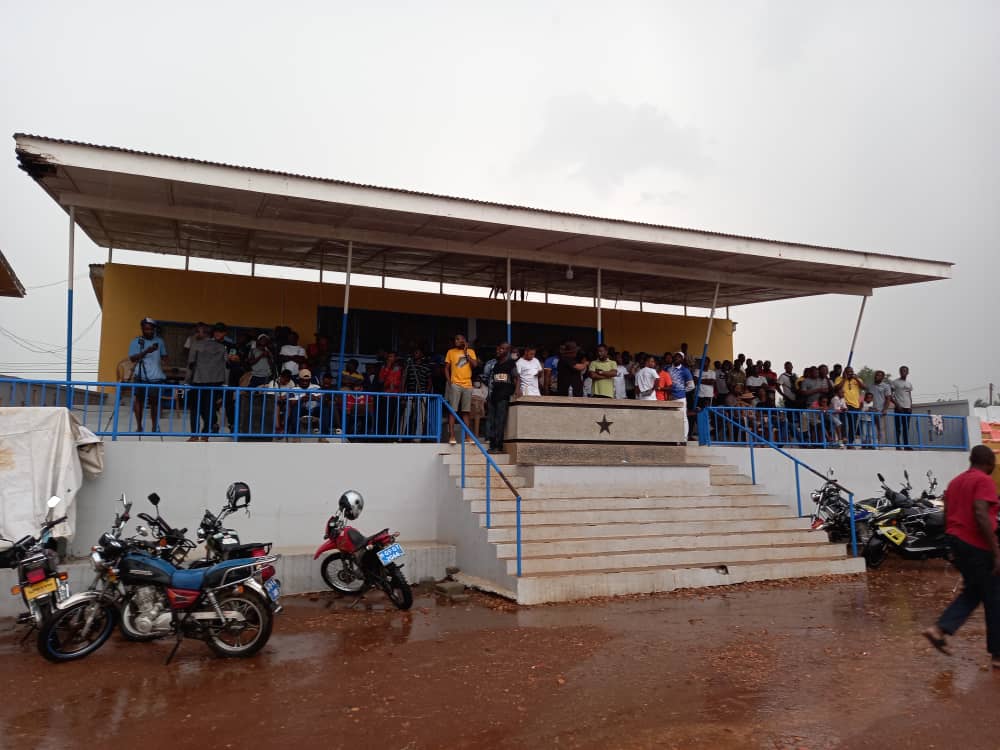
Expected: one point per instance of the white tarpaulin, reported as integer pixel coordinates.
(38, 459)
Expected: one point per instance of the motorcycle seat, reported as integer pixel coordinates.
(194, 579)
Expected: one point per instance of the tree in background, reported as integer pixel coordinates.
(866, 374)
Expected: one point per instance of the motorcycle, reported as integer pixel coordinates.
(359, 563)
(912, 533)
(40, 582)
(832, 513)
(139, 607)
(222, 604)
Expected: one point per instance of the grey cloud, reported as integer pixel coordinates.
(601, 142)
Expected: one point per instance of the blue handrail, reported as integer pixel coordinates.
(466, 432)
(752, 438)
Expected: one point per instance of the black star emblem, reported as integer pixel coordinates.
(604, 424)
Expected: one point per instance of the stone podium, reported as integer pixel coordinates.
(558, 430)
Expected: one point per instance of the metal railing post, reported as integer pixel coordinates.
(114, 419)
(487, 494)
(517, 519)
(753, 463)
(798, 489)
(854, 535)
(462, 434)
(343, 417)
(235, 427)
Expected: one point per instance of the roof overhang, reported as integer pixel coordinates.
(163, 204)
(10, 285)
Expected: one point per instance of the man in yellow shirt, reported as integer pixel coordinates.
(459, 363)
(854, 392)
(603, 372)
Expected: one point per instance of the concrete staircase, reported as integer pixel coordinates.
(611, 530)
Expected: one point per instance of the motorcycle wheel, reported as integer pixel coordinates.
(76, 632)
(875, 552)
(397, 588)
(246, 638)
(341, 574)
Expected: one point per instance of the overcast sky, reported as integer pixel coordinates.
(867, 125)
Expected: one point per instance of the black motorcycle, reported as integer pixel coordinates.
(40, 583)
(912, 531)
(833, 513)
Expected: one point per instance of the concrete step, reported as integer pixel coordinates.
(508, 550)
(479, 470)
(719, 480)
(720, 470)
(560, 587)
(473, 456)
(568, 531)
(665, 490)
(495, 482)
(504, 503)
(639, 515)
(684, 557)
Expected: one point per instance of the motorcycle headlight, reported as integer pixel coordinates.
(815, 496)
(97, 561)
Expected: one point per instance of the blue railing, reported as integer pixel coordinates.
(813, 428)
(749, 437)
(465, 434)
(117, 410)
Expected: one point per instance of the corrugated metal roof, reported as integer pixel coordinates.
(473, 201)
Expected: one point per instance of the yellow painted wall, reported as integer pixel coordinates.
(133, 292)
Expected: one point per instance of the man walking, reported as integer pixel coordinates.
(502, 386)
(970, 506)
(459, 363)
(416, 379)
(902, 397)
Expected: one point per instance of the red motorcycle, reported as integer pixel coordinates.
(361, 563)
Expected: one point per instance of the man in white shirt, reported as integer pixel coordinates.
(529, 373)
(619, 381)
(902, 397)
(303, 406)
(292, 356)
(646, 380)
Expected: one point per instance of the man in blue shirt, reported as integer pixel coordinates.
(680, 381)
(148, 354)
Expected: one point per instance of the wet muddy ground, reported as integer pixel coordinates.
(821, 663)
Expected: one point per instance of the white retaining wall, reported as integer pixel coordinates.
(854, 469)
(294, 487)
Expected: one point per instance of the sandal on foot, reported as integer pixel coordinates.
(941, 644)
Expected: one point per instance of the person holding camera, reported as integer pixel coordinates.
(148, 354)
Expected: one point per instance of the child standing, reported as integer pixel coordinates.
(868, 421)
(479, 393)
(838, 407)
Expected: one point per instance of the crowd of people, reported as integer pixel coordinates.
(841, 408)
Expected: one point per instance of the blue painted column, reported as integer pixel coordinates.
(347, 309)
(69, 306)
(857, 328)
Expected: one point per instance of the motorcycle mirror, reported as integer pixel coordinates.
(906, 475)
(142, 531)
(829, 472)
(53, 502)
(154, 499)
(880, 477)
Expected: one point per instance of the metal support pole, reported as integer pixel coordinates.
(187, 260)
(704, 351)
(508, 300)
(322, 256)
(854, 533)
(111, 254)
(600, 328)
(857, 328)
(798, 490)
(347, 309)
(253, 268)
(69, 303)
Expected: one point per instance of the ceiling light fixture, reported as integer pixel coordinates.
(569, 273)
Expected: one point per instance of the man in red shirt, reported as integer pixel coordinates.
(970, 506)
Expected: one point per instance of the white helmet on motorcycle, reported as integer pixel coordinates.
(351, 503)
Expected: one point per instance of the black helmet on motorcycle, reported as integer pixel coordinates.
(238, 495)
(351, 503)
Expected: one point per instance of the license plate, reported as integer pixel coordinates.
(35, 590)
(273, 588)
(390, 553)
